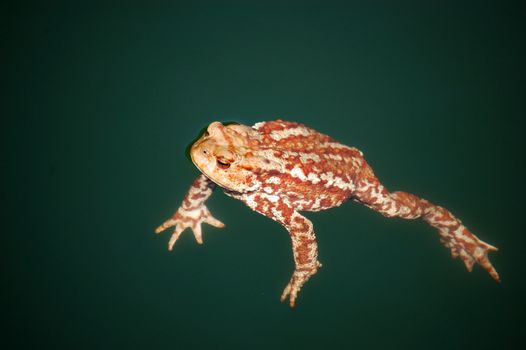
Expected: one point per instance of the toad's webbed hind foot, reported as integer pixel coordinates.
(469, 248)
(298, 279)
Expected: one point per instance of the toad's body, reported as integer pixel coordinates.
(280, 168)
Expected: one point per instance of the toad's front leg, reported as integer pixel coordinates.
(304, 245)
(192, 212)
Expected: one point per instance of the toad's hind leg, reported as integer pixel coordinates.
(305, 252)
(453, 234)
(301, 231)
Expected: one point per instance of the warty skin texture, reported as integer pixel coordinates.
(280, 168)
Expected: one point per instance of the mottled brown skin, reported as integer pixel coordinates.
(280, 168)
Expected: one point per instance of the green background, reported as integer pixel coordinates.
(100, 101)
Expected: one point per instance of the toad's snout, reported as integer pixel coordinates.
(202, 157)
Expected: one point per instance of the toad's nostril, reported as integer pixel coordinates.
(205, 151)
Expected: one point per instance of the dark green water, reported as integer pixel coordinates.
(99, 103)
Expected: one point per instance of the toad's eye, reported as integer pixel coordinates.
(223, 163)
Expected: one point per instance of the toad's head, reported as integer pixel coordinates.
(230, 156)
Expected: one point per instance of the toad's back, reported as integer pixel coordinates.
(317, 169)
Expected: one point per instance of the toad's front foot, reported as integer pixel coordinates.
(192, 218)
(470, 249)
(298, 279)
